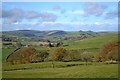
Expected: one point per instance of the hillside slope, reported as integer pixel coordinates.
(52, 35)
(92, 42)
(33, 33)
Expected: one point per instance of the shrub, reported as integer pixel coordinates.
(22, 55)
(57, 54)
(72, 55)
(109, 51)
(39, 57)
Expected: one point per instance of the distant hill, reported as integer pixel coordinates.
(56, 33)
(53, 35)
(34, 33)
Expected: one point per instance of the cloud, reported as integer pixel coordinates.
(13, 15)
(75, 19)
(56, 7)
(96, 26)
(93, 8)
(45, 16)
(17, 15)
(1, 13)
(111, 15)
(32, 15)
(63, 11)
(75, 12)
(56, 26)
(66, 26)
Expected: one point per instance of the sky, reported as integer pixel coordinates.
(67, 16)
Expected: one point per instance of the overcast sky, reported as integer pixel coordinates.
(67, 16)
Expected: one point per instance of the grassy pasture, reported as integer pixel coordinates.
(6, 52)
(7, 67)
(96, 70)
(92, 42)
(64, 69)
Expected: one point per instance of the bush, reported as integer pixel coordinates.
(57, 54)
(22, 55)
(109, 51)
(87, 57)
(39, 57)
(72, 55)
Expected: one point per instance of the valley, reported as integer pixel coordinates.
(72, 50)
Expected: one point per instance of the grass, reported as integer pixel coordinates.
(99, 70)
(39, 65)
(41, 48)
(92, 42)
(62, 70)
(6, 52)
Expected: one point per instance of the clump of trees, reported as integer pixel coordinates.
(57, 54)
(26, 55)
(21, 55)
(39, 57)
(30, 55)
(109, 51)
(87, 57)
(72, 55)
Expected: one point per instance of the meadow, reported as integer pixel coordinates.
(92, 42)
(61, 70)
(76, 69)
(59, 39)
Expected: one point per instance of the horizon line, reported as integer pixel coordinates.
(60, 30)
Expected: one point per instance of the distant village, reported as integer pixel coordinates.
(11, 44)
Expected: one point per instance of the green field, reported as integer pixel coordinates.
(44, 70)
(92, 42)
(65, 69)
(6, 52)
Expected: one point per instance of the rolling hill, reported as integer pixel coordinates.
(91, 42)
(34, 33)
(53, 35)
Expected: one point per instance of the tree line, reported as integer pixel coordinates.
(29, 55)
